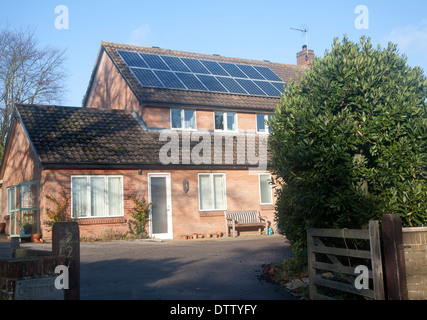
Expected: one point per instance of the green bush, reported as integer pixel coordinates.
(140, 217)
(349, 143)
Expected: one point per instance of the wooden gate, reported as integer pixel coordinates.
(334, 254)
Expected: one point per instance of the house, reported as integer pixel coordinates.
(187, 131)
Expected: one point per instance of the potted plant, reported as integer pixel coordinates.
(26, 228)
(2, 227)
(35, 234)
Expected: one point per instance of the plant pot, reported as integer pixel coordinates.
(35, 237)
(215, 235)
(200, 236)
(208, 235)
(184, 237)
(195, 235)
(219, 234)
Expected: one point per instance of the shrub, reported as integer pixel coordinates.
(140, 217)
(59, 212)
(349, 143)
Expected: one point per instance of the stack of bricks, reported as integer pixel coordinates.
(415, 248)
(13, 270)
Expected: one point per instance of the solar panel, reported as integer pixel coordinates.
(191, 81)
(250, 87)
(211, 83)
(279, 86)
(175, 64)
(268, 88)
(231, 85)
(250, 72)
(233, 70)
(132, 59)
(169, 79)
(154, 61)
(147, 77)
(267, 73)
(214, 68)
(195, 66)
(169, 72)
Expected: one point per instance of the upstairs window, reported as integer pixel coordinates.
(226, 121)
(183, 119)
(262, 124)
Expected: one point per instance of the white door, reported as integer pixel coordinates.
(159, 195)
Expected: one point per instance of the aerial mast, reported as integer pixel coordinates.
(306, 37)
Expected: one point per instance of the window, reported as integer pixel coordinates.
(22, 207)
(261, 123)
(226, 121)
(183, 119)
(265, 190)
(212, 191)
(97, 196)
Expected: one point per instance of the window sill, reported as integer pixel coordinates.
(216, 213)
(101, 220)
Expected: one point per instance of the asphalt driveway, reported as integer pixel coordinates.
(217, 269)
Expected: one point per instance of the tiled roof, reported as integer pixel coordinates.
(148, 96)
(88, 137)
(68, 135)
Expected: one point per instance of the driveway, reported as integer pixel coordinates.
(217, 269)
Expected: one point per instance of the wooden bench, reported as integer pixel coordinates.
(249, 218)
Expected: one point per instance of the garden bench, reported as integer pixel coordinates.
(248, 218)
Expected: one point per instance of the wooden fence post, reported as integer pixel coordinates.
(394, 258)
(377, 269)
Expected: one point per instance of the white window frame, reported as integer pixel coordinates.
(225, 117)
(259, 188)
(211, 175)
(267, 127)
(88, 197)
(183, 119)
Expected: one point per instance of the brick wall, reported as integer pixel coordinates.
(30, 268)
(20, 165)
(109, 89)
(242, 194)
(415, 248)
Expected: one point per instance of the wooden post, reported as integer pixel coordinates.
(311, 270)
(394, 257)
(377, 266)
(66, 242)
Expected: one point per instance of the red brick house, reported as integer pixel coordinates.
(187, 131)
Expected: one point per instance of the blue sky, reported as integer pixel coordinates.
(246, 29)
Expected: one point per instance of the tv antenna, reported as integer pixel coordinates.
(306, 37)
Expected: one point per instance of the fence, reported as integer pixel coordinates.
(332, 263)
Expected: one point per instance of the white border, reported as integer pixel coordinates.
(211, 174)
(226, 121)
(259, 188)
(182, 119)
(168, 235)
(88, 196)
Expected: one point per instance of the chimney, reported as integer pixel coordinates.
(305, 57)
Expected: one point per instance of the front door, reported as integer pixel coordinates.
(159, 195)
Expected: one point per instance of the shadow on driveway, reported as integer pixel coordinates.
(182, 270)
(219, 269)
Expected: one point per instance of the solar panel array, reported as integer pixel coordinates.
(169, 72)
